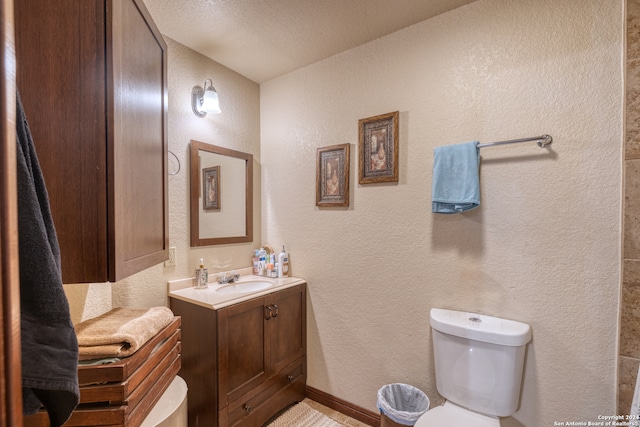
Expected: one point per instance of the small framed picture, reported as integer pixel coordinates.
(332, 176)
(378, 149)
(211, 188)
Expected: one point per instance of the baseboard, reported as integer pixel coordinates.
(342, 406)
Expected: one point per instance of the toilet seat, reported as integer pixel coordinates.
(452, 415)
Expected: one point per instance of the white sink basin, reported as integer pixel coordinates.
(241, 287)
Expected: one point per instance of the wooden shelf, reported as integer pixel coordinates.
(123, 393)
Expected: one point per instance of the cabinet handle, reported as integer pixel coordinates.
(267, 312)
(290, 378)
(275, 307)
(247, 408)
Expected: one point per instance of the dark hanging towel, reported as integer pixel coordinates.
(49, 343)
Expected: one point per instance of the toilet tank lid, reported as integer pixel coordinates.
(480, 327)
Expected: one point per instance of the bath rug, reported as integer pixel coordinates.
(303, 415)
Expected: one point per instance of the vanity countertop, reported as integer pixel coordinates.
(212, 298)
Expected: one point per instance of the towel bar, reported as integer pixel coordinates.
(543, 141)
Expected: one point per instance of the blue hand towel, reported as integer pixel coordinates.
(456, 180)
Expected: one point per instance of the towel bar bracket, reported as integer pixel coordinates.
(545, 141)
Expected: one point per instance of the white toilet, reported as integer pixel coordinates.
(171, 409)
(479, 362)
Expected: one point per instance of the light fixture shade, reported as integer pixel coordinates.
(210, 102)
(205, 100)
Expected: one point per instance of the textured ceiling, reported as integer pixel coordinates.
(262, 39)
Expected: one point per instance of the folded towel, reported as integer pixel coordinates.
(456, 180)
(120, 332)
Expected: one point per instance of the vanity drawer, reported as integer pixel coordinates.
(262, 403)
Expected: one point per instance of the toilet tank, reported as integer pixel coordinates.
(479, 360)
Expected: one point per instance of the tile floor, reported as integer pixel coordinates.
(331, 413)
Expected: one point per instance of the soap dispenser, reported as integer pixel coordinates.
(202, 276)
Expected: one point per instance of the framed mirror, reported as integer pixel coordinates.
(221, 195)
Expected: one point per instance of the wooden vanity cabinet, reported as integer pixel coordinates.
(253, 362)
(93, 82)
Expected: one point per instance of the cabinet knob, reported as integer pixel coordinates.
(290, 378)
(247, 408)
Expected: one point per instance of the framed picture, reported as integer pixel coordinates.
(332, 176)
(378, 149)
(211, 188)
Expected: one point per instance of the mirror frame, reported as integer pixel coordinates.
(194, 189)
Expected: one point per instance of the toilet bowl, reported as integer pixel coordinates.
(171, 409)
(479, 361)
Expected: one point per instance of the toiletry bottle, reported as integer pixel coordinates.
(262, 263)
(256, 261)
(283, 260)
(270, 270)
(202, 275)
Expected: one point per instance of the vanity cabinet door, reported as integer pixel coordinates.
(288, 327)
(92, 78)
(243, 349)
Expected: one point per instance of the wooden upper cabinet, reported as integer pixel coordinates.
(93, 81)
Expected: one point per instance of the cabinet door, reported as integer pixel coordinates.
(137, 139)
(243, 349)
(288, 329)
(61, 78)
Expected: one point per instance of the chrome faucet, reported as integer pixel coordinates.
(224, 277)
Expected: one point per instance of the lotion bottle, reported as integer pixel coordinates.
(283, 260)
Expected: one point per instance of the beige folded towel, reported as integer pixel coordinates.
(120, 332)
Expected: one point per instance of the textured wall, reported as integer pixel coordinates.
(543, 248)
(237, 127)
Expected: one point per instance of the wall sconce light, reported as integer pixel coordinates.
(205, 100)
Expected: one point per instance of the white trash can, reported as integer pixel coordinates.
(401, 405)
